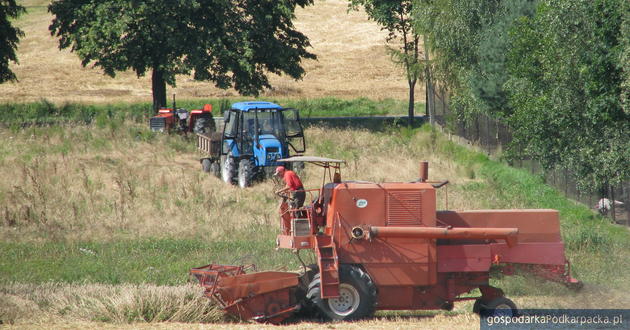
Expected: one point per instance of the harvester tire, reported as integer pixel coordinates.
(499, 306)
(245, 173)
(357, 298)
(227, 168)
(203, 125)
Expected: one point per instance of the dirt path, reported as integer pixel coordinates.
(352, 63)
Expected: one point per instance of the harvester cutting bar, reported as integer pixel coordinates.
(268, 297)
(507, 234)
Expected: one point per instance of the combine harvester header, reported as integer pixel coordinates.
(384, 246)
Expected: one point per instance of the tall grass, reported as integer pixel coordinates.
(120, 304)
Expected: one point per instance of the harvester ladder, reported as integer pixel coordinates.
(328, 266)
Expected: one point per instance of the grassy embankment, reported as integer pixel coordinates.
(95, 216)
(45, 112)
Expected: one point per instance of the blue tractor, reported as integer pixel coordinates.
(255, 136)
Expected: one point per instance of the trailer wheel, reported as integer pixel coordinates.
(357, 296)
(215, 169)
(499, 306)
(206, 164)
(227, 168)
(244, 173)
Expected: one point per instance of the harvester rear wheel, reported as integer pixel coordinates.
(357, 296)
(495, 307)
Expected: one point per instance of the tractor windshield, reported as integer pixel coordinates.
(269, 122)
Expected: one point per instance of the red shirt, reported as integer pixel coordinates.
(292, 180)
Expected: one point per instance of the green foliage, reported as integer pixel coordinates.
(45, 112)
(233, 44)
(9, 38)
(566, 90)
(556, 71)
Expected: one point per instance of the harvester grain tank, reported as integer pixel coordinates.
(384, 246)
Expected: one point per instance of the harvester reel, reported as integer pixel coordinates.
(357, 296)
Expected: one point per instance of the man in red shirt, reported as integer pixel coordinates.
(293, 187)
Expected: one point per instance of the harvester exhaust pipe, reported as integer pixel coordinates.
(507, 234)
(424, 171)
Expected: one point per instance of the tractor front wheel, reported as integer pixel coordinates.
(244, 173)
(357, 296)
(227, 168)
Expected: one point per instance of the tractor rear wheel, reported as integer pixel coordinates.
(245, 173)
(499, 306)
(227, 168)
(357, 296)
(203, 125)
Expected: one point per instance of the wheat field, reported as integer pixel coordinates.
(352, 62)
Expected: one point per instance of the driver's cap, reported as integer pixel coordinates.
(279, 170)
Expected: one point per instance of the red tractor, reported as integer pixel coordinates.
(384, 246)
(199, 121)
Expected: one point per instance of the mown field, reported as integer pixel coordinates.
(101, 222)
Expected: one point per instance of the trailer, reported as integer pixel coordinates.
(209, 145)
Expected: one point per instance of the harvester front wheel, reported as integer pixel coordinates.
(495, 307)
(357, 296)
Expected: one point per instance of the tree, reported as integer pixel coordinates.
(231, 43)
(396, 17)
(567, 89)
(9, 38)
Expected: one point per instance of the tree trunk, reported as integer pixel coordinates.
(428, 94)
(159, 89)
(412, 87)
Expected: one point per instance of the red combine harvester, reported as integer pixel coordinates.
(384, 246)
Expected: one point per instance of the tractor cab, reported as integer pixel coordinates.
(255, 136)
